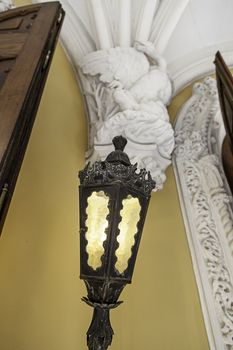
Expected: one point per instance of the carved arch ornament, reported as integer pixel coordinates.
(207, 208)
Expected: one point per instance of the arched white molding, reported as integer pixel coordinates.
(198, 64)
(207, 208)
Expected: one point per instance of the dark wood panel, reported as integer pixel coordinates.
(27, 42)
(225, 91)
(11, 44)
(11, 24)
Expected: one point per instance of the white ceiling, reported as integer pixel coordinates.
(204, 23)
(204, 27)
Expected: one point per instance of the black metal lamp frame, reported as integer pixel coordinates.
(117, 178)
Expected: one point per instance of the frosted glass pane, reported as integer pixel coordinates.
(96, 223)
(130, 214)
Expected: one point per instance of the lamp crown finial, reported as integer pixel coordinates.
(119, 143)
(119, 156)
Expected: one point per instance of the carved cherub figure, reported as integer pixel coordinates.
(153, 85)
(138, 70)
(137, 81)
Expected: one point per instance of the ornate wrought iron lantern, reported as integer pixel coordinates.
(114, 198)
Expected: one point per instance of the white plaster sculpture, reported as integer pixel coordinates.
(5, 5)
(206, 203)
(116, 48)
(126, 91)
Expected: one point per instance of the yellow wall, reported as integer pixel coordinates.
(40, 291)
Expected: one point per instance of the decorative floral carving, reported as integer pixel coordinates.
(207, 202)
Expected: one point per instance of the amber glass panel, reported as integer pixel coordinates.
(96, 223)
(130, 215)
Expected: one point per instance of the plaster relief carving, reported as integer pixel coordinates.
(127, 90)
(207, 209)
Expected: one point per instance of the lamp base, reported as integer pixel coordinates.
(100, 332)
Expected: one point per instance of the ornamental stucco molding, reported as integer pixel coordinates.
(207, 208)
(116, 49)
(198, 64)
